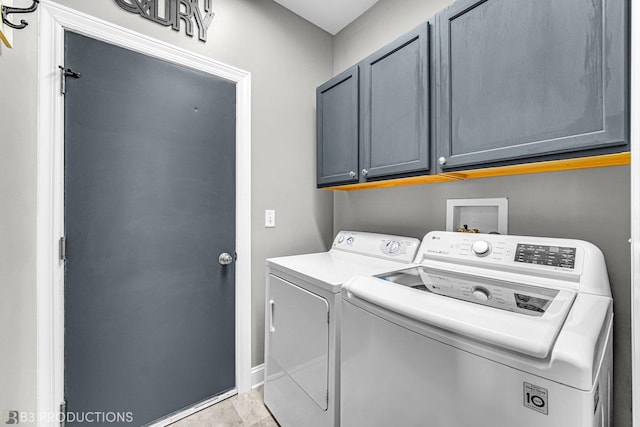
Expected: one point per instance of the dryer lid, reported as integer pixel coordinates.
(329, 270)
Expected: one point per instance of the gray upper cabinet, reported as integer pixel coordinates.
(394, 117)
(530, 79)
(337, 129)
(486, 83)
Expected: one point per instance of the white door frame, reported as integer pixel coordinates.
(635, 212)
(54, 19)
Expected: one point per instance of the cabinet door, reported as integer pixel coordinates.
(395, 107)
(524, 79)
(337, 129)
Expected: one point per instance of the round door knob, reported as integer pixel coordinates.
(481, 294)
(352, 174)
(225, 259)
(481, 248)
(442, 161)
(365, 172)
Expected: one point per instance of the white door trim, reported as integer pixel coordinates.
(635, 213)
(54, 20)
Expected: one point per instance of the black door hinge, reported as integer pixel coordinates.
(64, 73)
(62, 249)
(63, 413)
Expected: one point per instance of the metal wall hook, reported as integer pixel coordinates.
(6, 10)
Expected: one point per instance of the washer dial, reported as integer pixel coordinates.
(481, 294)
(481, 248)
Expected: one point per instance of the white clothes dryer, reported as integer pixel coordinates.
(482, 331)
(302, 336)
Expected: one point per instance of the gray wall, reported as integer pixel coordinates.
(384, 22)
(288, 58)
(592, 204)
(18, 226)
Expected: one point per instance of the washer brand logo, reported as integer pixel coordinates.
(170, 12)
(536, 398)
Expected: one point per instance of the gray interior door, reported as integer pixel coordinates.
(149, 206)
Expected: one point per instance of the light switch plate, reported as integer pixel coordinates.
(269, 218)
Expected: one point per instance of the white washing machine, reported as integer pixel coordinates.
(482, 331)
(302, 337)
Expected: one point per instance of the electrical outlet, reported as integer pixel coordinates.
(270, 218)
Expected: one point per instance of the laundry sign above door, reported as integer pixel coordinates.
(171, 13)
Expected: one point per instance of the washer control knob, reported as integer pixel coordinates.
(481, 294)
(481, 248)
(392, 246)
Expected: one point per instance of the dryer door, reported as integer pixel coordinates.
(298, 338)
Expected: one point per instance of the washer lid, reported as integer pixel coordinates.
(533, 335)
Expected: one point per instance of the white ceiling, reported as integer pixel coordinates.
(330, 15)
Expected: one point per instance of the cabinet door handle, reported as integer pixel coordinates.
(272, 306)
(365, 172)
(352, 174)
(442, 161)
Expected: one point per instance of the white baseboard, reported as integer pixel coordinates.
(257, 376)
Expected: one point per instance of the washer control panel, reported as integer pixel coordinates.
(563, 257)
(553, 256)
(386, 246)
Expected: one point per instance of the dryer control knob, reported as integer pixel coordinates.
(481, 248)
(481, 294)
(392, 247)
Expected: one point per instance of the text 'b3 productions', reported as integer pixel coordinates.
(18, 417)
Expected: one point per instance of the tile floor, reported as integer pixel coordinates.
(243, 410)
